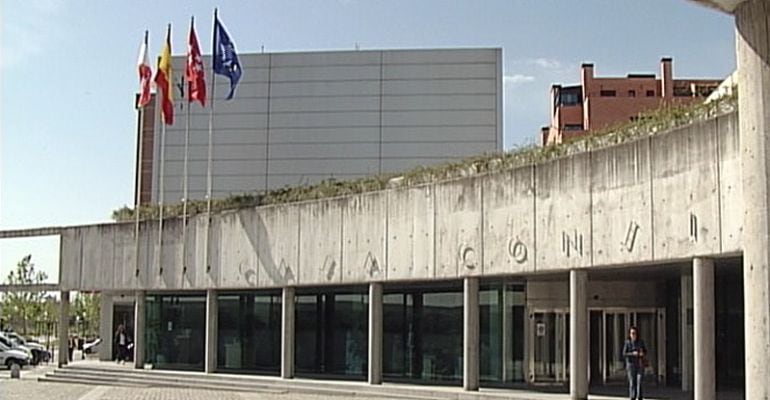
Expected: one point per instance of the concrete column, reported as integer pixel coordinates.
(685, 327)
(139, 318)
(471, 333)
(212, 328)
(105, 326)
(375, 333)
(578, 335)
(753, 51)
(64, 325)
(287, 333)
(703, 313)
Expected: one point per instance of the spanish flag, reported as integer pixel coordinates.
(163, 81)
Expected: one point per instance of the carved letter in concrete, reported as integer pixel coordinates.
(693, 227)
(517, 250)
(572, 244)
(628, 243)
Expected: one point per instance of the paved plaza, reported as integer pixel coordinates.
(28, 388)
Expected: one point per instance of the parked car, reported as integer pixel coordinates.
(10, 356)
(9, 344)
(39, 352)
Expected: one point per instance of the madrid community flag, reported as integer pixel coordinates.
(163, 81)
(194, 72)
(145, 73)
(225, 60)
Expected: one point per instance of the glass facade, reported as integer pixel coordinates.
(501, 333)
(175, 331)
(332, 333)
(423, 334)
(249, 338)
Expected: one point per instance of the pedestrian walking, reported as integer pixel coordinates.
(635, 353)
(121, 342)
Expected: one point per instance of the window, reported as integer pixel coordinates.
(650, 93)
(569, 99)
(175, 332)
(632, 93)
(249, 336)
(423, 334)
(607, 93)
(573, 127)
(332, 333)
(501, 333)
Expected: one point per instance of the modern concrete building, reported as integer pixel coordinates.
(298, 118)
(600, 102)
(521, 277)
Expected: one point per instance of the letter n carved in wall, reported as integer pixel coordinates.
(572, 244)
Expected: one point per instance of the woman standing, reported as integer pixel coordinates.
(634, 351)
(121, 340)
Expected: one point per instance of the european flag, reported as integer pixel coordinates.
(225, 59)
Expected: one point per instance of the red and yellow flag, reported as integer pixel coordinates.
(163, 81)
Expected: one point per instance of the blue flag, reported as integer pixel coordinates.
(225, 59)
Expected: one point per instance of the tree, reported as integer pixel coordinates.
(85, 312)
(21, 307)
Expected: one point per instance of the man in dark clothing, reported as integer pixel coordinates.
(634, 351)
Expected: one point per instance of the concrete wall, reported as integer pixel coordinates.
(661, 198)
(298, 118)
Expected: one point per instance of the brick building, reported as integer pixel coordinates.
(598, 102)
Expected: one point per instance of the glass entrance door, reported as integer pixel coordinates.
(613, 334)
(549, 346)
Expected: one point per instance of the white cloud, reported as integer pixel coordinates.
(516, 79)
(546, 63)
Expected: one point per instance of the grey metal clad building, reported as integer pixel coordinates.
(299, 118)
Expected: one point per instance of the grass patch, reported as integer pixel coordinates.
(650, 123)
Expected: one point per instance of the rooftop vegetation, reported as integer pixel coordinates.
(650, 123)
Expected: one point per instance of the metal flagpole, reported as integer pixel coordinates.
(211, 130)
(139, 166)
(161, 195)
(138, 200)
(185, 185)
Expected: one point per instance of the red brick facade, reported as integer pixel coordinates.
(601, 102)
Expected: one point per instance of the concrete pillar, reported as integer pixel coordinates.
(105, 326)
(578, 335)
(212, 328)
(753, 51)
(287, 333)
(685, 327)
(471, 333)
(703, 313)
(139, 318)
(375, 333)
(64, 325)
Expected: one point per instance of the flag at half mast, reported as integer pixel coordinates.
(163, 81)
(145, 73)
(194, 72)
(225, 59)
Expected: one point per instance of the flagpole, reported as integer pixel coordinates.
(140, 162)
(211, 130)
(138, 199)
(185, 186)
(161, 195)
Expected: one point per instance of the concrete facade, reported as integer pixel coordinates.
(298, 118)
(678, 202)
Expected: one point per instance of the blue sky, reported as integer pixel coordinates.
(67, 125)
